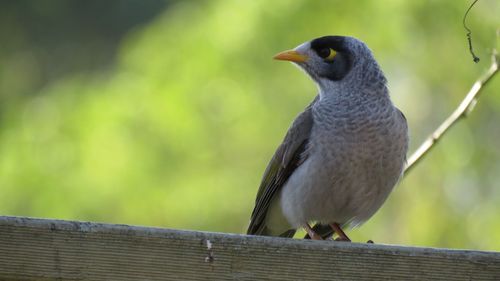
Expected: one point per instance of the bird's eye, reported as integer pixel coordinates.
(327, 53)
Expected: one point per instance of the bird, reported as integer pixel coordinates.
(342, 156)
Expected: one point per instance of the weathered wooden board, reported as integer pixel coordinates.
(41, 249)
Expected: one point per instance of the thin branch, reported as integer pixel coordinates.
(469, 33)
(462, 110)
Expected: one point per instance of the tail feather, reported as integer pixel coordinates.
(265, 231)
(288, 234)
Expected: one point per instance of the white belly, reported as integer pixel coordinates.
(343, 181)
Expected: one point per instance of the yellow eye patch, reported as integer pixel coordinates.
(331, 55)
(328, 54)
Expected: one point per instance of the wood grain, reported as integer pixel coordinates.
(41, 249)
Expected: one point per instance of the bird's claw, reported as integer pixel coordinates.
(341, 239)
(316, 237)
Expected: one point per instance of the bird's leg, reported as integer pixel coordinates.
(342, 236)
(311, 232)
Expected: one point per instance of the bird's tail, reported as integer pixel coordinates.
(265, 231)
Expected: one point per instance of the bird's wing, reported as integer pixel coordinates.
(289, 155)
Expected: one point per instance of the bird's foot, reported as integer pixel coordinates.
(341, 239)
(312, 234)
(315, 236)
(342, 236)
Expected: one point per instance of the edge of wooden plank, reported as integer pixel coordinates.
(142, 231)
(45, 249)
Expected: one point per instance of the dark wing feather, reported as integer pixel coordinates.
(289, 155)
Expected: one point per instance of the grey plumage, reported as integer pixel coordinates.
(344, 154)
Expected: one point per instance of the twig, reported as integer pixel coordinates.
(462, 110)
(469, 33)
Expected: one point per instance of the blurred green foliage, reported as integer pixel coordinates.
(174, 124)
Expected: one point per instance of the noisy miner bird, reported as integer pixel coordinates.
(343, 155)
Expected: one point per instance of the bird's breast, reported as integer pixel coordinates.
(353, 164)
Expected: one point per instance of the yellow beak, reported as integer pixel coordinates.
(291, 55)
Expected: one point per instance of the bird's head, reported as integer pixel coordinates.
(333, 60)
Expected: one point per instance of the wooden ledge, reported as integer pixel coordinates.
(43, 249)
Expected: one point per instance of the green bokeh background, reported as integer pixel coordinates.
(165, 113)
